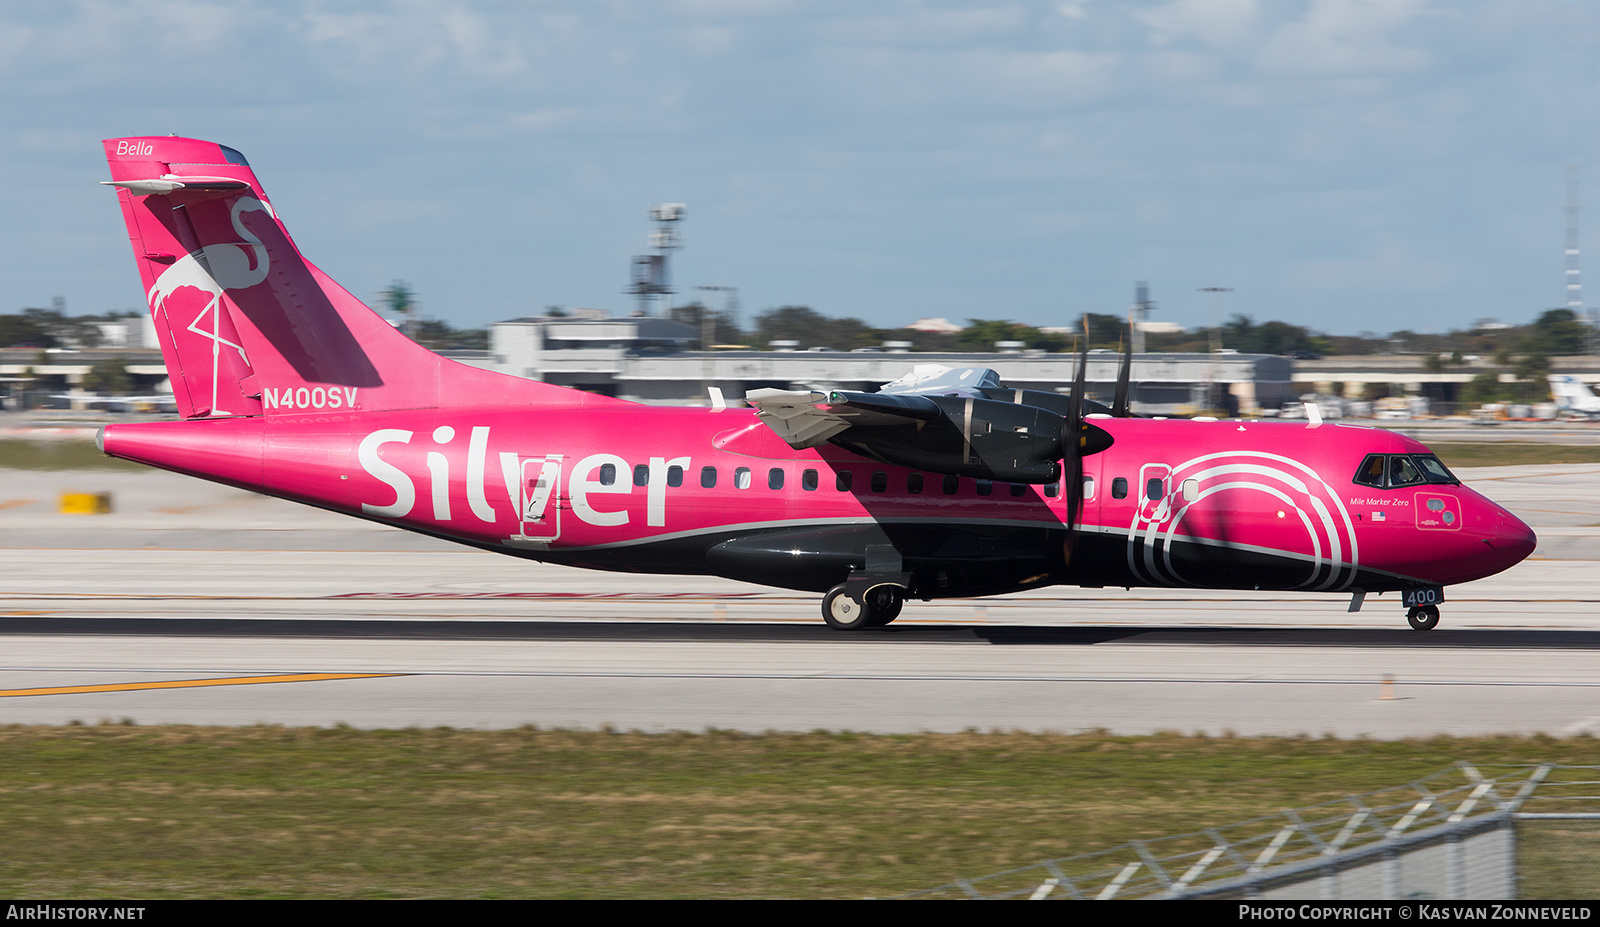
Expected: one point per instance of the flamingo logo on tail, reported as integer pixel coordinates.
(213, 269)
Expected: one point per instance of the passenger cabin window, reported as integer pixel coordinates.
(1054, 489)
(775, 478)
(952, 483)
(843, 479)
(1018, 489)
(1154, 489)
(641, 474)
(608, 474)
(1088, 489)
(985, 487)
(674, 476)
(913, 482)
(1119, 488)
(741, 478)
(880, 481)
(708, 477)
(808, 480)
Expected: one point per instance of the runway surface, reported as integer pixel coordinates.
(198, 604)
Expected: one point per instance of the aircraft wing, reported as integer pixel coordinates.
(961, 422)
(806, 418)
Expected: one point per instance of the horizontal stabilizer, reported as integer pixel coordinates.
(160, 186)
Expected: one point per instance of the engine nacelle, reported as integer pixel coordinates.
(980, 438)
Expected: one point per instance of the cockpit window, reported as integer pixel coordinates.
(1388, 471)
(1433, 470)
(1402, 472)
(1371, 472)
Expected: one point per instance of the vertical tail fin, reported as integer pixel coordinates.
(247, 325)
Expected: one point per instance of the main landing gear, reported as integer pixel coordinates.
(1423, 617)
(853, 606)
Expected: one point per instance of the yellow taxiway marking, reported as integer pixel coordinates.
(193, 683)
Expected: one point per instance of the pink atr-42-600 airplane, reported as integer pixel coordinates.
(944, 483)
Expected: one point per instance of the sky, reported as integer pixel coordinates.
(1346, 165)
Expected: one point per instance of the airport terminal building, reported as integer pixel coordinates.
(651, 360)
(655, 361)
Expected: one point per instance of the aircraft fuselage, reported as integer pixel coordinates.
(1226, 504)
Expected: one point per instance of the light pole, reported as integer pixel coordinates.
(708, 373)
(1212, 292)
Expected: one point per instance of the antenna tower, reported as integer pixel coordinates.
(1574, 276)
(1140, 314)
(650, 278)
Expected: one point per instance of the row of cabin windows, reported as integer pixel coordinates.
(1154, 488)
(844, 480)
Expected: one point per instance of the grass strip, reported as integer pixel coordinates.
(185, 812)
(22, 454)
(1512, 454)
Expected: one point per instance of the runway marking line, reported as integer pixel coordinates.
(193, 683)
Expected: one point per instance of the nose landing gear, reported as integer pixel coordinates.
(1423, 617)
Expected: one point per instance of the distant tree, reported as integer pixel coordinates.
(1532, 367)
(22, 330)
(1556, 332)
(109, 377)
(48, 328)
(402, 302)
(1485, 387)
(1189, 342)
(811, 328)
(400, 298)
(925, 341)
(1362, 344)
(1105, 331)
(439, 336)
(696, 314)
(983, 334)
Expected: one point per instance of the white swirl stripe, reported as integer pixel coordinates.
(1329, 531)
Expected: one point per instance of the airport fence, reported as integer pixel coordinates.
(1464, 833)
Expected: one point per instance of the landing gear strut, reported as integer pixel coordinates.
(1423, 617)
(853, 606)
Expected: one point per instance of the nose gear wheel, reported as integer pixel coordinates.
(1423, 617)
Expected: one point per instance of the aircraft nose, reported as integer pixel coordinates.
(1513, 540)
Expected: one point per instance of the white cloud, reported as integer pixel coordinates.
(1073, 9)
(918, 25)
(708, 41)
(1345, 37)
(1212, 22)
(1390, 265)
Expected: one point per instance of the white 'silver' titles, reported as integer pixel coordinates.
(584, 486)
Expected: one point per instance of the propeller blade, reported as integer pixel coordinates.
(1072, 434)
(1119, 405)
